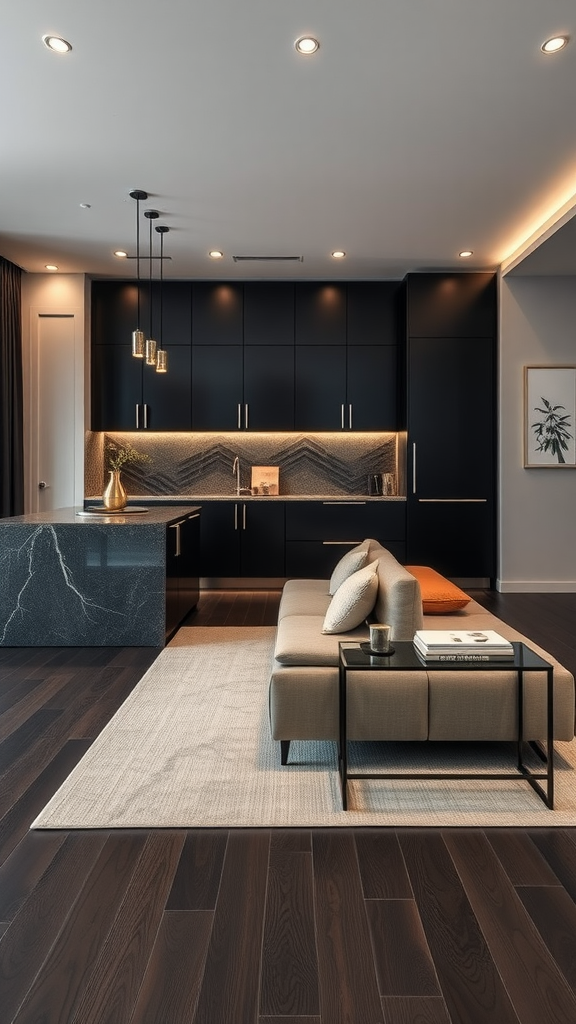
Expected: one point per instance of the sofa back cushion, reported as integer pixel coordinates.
(353, 601)
(349, 563)
(399, 601)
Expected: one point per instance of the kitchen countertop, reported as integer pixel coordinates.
(159, 499)
(155, 516)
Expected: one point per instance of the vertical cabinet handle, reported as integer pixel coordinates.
(137, 417)
(145, 417)
(414, 468)
(342, 415)
(243, 517)
(235, 516)
(246, 416)
(350, 416)
(178, 549)
(239, 421)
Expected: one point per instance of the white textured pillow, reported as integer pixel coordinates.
(353, 601)
(349, 563)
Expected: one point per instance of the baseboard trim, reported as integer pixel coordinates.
(536, 586)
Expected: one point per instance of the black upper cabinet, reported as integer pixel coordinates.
(371, 393)
(320, 314)
(269, 313)
(269, 387)
(217, 314)
(371, 313)
(451, 305)
(320, 390)
(217, 387)
(127, 395)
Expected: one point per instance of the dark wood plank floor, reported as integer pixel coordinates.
(265, 926)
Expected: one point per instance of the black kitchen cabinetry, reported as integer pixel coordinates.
(182, 569)
(126, 394)
(451, 419)
(259, 356)
(242, 539)
(240, 381)
(319, 533)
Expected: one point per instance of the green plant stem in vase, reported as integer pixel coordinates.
(115, 496)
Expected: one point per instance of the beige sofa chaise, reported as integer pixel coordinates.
(419, 705)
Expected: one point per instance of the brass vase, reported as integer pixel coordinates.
(115, 496)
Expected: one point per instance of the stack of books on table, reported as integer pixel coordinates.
(462, 645)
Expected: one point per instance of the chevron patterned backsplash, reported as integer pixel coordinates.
(201, 464)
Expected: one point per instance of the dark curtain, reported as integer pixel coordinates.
(11, 397)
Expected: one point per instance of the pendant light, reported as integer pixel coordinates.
(151, 345)
(161, 354)
(138, 340)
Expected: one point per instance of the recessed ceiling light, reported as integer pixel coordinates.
(466, 254)
(57, 44)
(555, 44)
(306, 44)
(120, 254)
(51, 266)
(215, 254)
(338, 254)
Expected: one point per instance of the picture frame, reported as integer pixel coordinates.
(550, 417)
(265, 480)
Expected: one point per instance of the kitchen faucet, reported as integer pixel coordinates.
(236, 472)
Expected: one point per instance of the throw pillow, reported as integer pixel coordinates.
(439, 595)
(353, 601)
(350, 562)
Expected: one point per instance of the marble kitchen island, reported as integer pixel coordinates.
(114, 580)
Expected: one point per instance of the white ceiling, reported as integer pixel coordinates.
(421, 127)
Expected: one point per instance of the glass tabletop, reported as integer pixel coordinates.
(405, 657)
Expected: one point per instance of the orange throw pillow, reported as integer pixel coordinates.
(439, 595)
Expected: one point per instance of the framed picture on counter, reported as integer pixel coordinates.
(265, 479)
(550, 417)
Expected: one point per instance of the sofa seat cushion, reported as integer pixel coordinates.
(300, 641)
(304, 597)
(439, 595)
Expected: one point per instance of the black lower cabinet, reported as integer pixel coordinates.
(182, 569)
(242, 539)
(455, 538)
(319, 533)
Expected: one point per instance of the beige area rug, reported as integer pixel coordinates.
(191, 747)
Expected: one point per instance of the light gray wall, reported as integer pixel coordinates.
(537, 506)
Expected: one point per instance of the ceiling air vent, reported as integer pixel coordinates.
(268, 259)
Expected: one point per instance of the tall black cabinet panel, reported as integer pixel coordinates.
(116, 383)
(451, 419)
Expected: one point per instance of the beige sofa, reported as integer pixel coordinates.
(419, 705)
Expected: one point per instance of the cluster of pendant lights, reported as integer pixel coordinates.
(146, 347)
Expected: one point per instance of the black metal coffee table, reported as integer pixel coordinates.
(405, 659)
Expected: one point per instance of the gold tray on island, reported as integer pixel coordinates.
(99, 510)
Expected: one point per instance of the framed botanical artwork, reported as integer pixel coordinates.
(550, 417)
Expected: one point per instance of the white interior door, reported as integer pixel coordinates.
(55, 429)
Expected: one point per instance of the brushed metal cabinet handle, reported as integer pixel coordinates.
(235, 516)
(342, 415)
(347, 543)
(414, 467)
(145, 417)
(246, 416)
(243, 517)
(137, 416)
(350, 416)
(343, 502)
(453, 501)
(239, 416)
